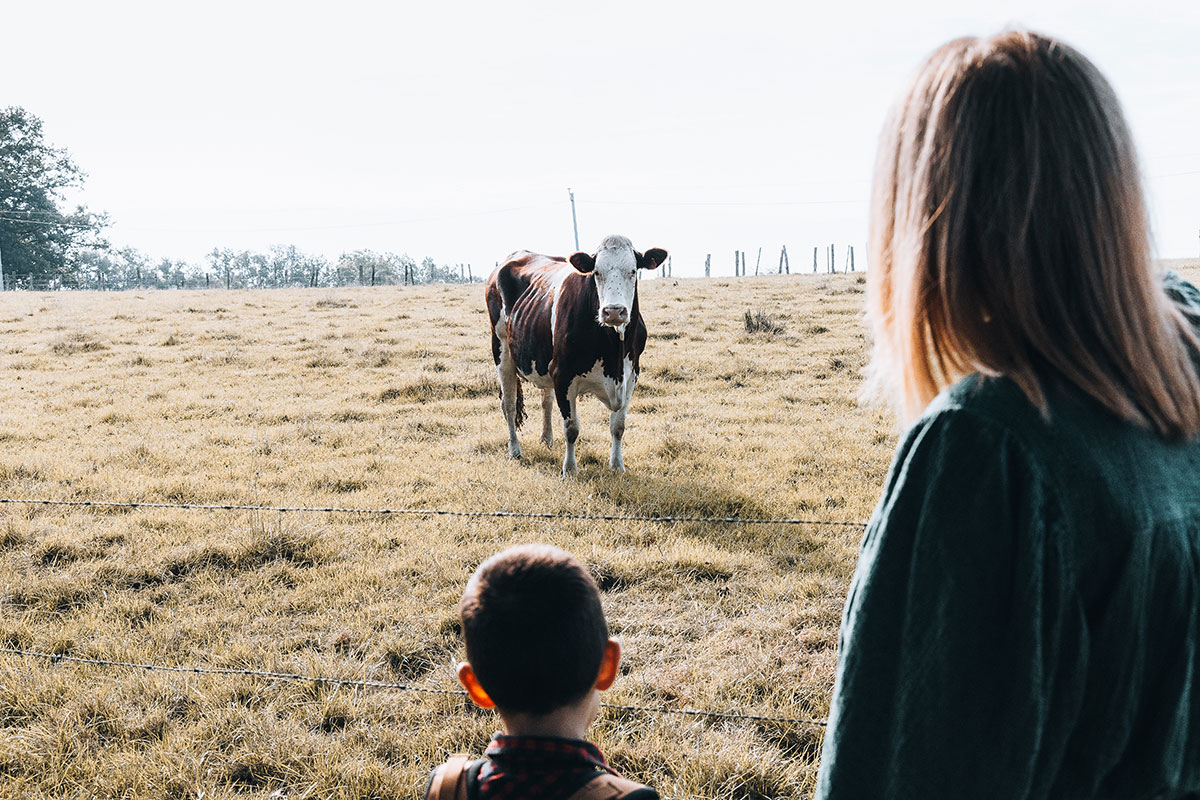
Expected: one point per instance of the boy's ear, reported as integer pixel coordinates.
(466, 676)
(609, 664)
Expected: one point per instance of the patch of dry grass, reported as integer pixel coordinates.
(387, 397)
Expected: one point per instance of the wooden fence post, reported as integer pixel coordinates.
(757, 261)
(787, 267)
(850, 259)
(814, 261)
(707, 263)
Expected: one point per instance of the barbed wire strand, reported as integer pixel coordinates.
(364, 684)
(432, 512)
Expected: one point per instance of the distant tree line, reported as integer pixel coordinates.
(43, 246)
(280, 267)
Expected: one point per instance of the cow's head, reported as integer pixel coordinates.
(614, 267)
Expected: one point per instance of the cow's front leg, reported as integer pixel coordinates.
(616, 426)
(510, 394)
(566, 405)
(616, 421)
(547, 427)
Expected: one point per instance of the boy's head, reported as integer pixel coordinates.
(534, 630)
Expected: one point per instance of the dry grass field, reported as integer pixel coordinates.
(386, 397)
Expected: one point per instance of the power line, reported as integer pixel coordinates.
(720, 203)
(61, 223)
(363, 684)
(10, 215)
(1175, 174)
(351, 225)
(433, 512)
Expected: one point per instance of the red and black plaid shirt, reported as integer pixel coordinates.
(538, 767)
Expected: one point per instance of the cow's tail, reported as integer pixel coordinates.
(520, 405)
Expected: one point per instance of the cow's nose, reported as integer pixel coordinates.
(615, 315)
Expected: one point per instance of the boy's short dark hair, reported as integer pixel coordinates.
(534, 628)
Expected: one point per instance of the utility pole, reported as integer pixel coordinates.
(574, 224)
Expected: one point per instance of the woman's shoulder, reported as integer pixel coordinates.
(988, 407)
(1069, 420)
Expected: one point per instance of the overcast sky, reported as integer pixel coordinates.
(454, 129)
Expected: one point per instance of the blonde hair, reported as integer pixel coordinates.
(1009, 237)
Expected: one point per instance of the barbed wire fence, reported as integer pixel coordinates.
(320, 680)
(228, 672)
(432, 512)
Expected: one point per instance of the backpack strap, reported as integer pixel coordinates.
(449, 780)
(606, 786)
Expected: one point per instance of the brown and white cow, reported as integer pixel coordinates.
(569, 327)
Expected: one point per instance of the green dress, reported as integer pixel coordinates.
(1024, 621)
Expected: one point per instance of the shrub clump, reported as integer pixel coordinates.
(762, 322)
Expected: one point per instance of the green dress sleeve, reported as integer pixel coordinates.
(961, 643)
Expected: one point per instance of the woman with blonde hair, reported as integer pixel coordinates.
(1024, 621)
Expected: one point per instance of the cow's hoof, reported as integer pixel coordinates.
(548, 441)
(514, 452)
(568, 472)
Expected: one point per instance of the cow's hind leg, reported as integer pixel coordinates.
(547, 426)
(616, 426)
(510, 401)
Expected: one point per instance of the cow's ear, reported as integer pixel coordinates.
(583, 262)
(654, 257)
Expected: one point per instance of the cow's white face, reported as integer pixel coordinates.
(615, 267)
